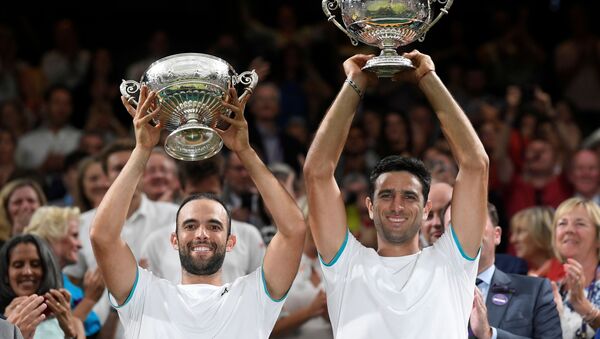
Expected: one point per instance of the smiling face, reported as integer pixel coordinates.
(523, 243)
(440, 195)
(201, 237)
(95, 184)
(25, 270)
(576, 235)
(67, 248)
(21, 205)
(397, 208)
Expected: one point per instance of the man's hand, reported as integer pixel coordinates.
(28, 314)
(479, 318)
(236, 136)
(353, 69)
(318, 306)
(423, 66)
(146, 135)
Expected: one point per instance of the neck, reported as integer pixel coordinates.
(212, 279)
(483, 267)
(386, 249)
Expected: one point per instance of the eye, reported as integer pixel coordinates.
(36, 263)
(430, 216)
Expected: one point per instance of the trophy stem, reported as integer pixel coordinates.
(388, 63)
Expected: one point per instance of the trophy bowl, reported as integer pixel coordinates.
(190, 88)
(386, 24)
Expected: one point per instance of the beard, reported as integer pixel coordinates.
(202, 266)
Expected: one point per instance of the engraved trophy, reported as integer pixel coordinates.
(190, 88)
(387, 24)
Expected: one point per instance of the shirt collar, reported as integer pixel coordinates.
(143, 209)
(487, 275)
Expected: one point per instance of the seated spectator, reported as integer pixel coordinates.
(509, 305)
(18, 200)
(531, 237)
(584, 175)
(92, 184)
(440, 195)
(576, 233)
(160, 180)
(45, 147)
(30, 281)
(59, 227)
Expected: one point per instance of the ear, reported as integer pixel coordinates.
(427, 209)
(497, 235)
(174, 241)
(231, 242)
(369, 204)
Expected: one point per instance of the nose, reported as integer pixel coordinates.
(437, 221)
(202, 233)
(27, 270)
(397, 203)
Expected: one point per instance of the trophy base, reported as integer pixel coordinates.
(386, 66)
(192, 142)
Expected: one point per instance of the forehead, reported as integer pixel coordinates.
(398, 181)
(577, 212)
(586, 158)
(440, 195)
(23, 192)
(203, 209)
(119, 157)
(24, 251)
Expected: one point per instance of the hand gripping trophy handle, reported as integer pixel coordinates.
(331, 5)
(249, 79)
(128, 90)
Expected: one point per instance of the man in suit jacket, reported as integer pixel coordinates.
(509, 305)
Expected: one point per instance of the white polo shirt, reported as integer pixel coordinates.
(424, 295)
(245, 257)
(157, 308)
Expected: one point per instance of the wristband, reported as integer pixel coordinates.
(354, 87)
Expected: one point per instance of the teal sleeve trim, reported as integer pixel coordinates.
(137, 276)
(262, 274)
(462, 252)
(337, 255)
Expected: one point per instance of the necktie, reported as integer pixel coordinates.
(478, 281)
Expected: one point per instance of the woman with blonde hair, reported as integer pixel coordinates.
(531, 237)
(59, 227)
(18, 200)
(576, 236)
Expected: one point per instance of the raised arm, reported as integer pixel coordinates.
(115, 259)
(327, 214)
(469, 200)
(282, 257)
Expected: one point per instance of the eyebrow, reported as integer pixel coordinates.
(211, 220)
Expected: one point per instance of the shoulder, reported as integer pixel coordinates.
(524, 282)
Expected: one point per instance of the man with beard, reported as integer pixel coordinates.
(200, 307)
(398, 291)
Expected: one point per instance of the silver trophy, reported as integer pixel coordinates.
(387, 24)
(190, 88)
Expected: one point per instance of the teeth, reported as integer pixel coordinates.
(201, 249)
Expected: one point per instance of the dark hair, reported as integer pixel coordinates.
(194, 172)
(51, 278)
(120, 145)
(493, 214)
(207, 196)
(396, 163)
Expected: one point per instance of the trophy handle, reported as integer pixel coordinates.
(249, 79)
(330, 5)
(128, 89)
(443, 11)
